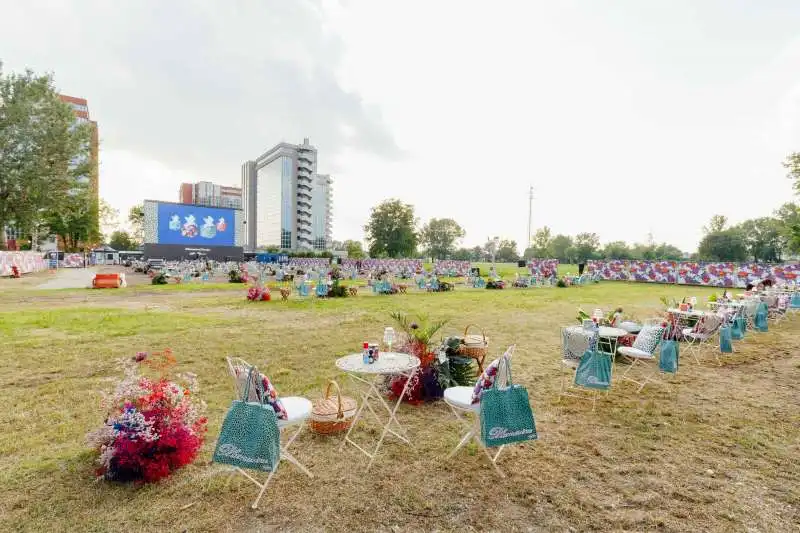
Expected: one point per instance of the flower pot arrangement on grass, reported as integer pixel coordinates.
(416, 340)
(237, 276)
(337, 290)
(442, 365)
(154, 426)
(258, 292)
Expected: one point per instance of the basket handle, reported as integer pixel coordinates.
(466, 330)
(340, 414)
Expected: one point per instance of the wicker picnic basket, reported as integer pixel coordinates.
(333, 414)
(474, 346)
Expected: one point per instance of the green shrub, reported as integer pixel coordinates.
(337, 291)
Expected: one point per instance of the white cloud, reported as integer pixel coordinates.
(627, 117)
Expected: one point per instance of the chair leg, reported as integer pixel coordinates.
(285, 456)
(464, 440)
(474, 433)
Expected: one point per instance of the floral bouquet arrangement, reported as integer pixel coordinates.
(153, 426)
(258, 292)
(417, 340)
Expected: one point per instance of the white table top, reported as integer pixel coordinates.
(604, 331)
(693, 312)
(725, 304)
(387, 363)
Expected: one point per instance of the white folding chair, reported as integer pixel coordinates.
(749, 311)
(460, 401)
(702, 335)
(642, 351)
(298, 409)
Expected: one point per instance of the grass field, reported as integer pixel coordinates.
(715, 451)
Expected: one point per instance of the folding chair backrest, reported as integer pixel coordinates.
(710, 324)
(750, 307)
(505, 361)
(576, 342)
(239, 370)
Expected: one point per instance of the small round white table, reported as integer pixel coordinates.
(388, 363)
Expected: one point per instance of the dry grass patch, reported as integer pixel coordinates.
(714, 451)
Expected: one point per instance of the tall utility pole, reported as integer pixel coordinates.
(530, 214)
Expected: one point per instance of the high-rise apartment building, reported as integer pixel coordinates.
(285, 202)
(210, 194)
(81, 110)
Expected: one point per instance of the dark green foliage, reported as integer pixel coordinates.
(337, 290)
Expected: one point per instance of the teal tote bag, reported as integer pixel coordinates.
(760, 323)
(668, 358)
(594, 370)
(249, 437)
(738, 328)
(726, 339)
(506, 415)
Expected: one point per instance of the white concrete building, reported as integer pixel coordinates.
(285, 202)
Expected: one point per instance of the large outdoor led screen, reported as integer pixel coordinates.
(195, 225)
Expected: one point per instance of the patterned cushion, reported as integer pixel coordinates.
(485, 381)
(269, 397)
(576, 341)
(648, 338)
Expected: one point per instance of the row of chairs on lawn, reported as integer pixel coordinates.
(713, 333)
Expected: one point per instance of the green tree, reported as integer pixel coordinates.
(462, 254)
(788, 216)
(559, 246)
(507, 252)
(586, 246)
(716, 224)
(121, 240)
(792, 166)
(646, 252)
(617, 250)
(73, 220)
(668, 252)
(540, 244)
(109, 217)
(477, 253)
(490, 248)
(354, 249)
(39, 144)
(726, 245)
(390, 231)
(439, 237)
(762, 237)
(136, 220)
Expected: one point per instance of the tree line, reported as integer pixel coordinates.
(765, 239)
(394, 231)
(44, 165)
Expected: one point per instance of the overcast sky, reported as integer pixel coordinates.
(626, 116)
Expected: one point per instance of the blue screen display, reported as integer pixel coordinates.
(196, 225)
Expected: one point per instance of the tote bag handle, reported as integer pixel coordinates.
(259, 386)
(503, 370)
